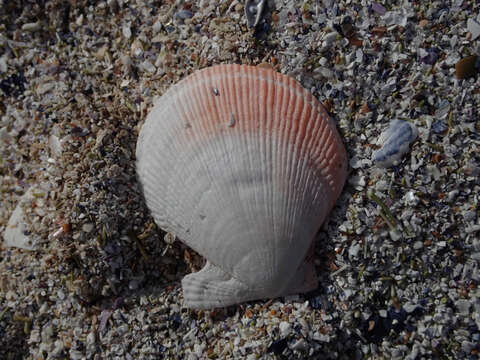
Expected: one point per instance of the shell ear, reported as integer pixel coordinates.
(212, 287)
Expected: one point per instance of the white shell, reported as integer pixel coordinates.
(242, 164)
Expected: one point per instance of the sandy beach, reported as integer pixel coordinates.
(86, 274)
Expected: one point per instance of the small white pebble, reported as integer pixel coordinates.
(91, 338)
(284, 328)
(55, 145)
(34, 336)
(148, 67)
(88, 227)
(468, 346)
(75, 354)
(3, 64)
(136, 48)
(10, 295)
(354, 250)
(418, 245)
(321, 337)
(463, 306)
(58, 349)
(358, 182)
(411, 199)
(126, 31)
(452, 195)
(113, 5)
(472, 229)
(330, 38)
(469, 215)
(79, 20)
(409, 307)
(355, 162)
(157, 26)
(16, 233)
(299, 345)
(32, 27)
(433, 170)
(45, 88)
(126, 60)
(395, 235)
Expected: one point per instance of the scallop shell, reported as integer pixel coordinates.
(243, 165)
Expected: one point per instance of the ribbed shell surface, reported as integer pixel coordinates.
(243, 165)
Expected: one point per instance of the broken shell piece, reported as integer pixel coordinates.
(249, 197)
(394, 142)
(16, 233)
(253, 12)
(466, 67)
(474, 28)
(32, 27)
(55, 145)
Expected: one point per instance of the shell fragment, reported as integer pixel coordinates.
(16, 233)
(395, 142)
(253, 12)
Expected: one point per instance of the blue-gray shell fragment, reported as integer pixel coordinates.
(395, 142)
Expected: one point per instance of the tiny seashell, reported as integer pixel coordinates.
(395, 141)
(251, 197)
